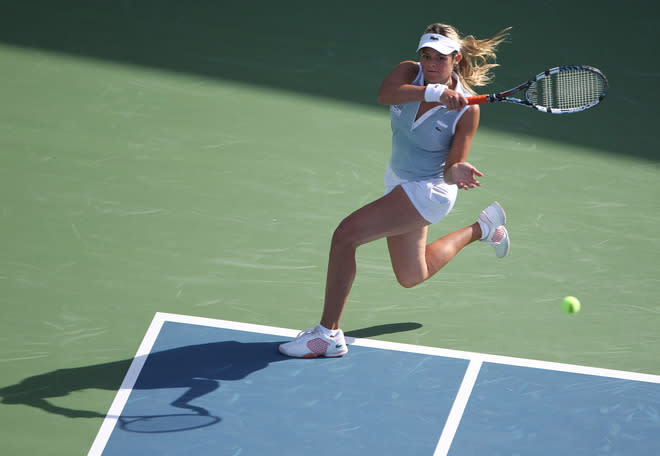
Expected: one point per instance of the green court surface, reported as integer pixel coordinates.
(195, 159)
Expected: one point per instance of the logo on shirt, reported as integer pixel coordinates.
(440, 125)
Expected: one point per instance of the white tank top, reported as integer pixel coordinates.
(420, 147)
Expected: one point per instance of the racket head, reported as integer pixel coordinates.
(566, 89)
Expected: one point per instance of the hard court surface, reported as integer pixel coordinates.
(168, 167)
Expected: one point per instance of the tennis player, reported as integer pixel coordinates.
(432, 131)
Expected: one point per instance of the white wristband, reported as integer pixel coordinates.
(433, 92)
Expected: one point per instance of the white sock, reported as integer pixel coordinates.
(327, 332)
(485, 231)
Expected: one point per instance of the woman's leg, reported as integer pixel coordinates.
(414, 261)
(391, 215)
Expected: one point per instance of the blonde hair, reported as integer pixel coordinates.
(474, 69)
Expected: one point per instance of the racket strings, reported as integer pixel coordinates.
(571, 89)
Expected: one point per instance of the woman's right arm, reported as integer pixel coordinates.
(397, 88)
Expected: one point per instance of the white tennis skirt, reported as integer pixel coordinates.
(433, 198)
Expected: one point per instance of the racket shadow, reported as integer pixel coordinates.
(159, 424)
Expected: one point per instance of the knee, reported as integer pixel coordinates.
(408, 281)
(346, 235)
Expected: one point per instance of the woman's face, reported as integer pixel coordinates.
(437, 67)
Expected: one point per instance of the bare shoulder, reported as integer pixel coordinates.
(390, 92)
(473, 110)
(409, 64)
(469, 121)
(405, 72)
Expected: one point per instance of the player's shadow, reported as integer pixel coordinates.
(379, 330)
(199, 369)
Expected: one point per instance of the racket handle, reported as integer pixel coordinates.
(479, 99)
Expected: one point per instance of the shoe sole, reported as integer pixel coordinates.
(313, 355)
(506, 252)
(508, 246)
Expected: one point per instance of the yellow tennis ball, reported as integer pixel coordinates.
(570, 304)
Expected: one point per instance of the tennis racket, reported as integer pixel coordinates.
(559, 90)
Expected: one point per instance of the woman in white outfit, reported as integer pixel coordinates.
(432, 131)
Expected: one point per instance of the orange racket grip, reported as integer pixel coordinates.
(479, 99)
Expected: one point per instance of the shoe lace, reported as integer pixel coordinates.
(305, 332)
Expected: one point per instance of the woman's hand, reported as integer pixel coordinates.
(464, 175)
(453, 100)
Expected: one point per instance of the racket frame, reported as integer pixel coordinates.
(506, 95)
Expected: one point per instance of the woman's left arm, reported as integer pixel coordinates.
(457, 170)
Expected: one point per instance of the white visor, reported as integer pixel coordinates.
(440, 43)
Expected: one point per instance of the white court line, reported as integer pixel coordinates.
(126, 387)
(421, 349)
(476, 361)
(456, 413)
(140, 358)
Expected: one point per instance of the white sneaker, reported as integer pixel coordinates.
(494, 218)
(311, 343)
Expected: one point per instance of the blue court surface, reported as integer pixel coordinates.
(210, 387)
